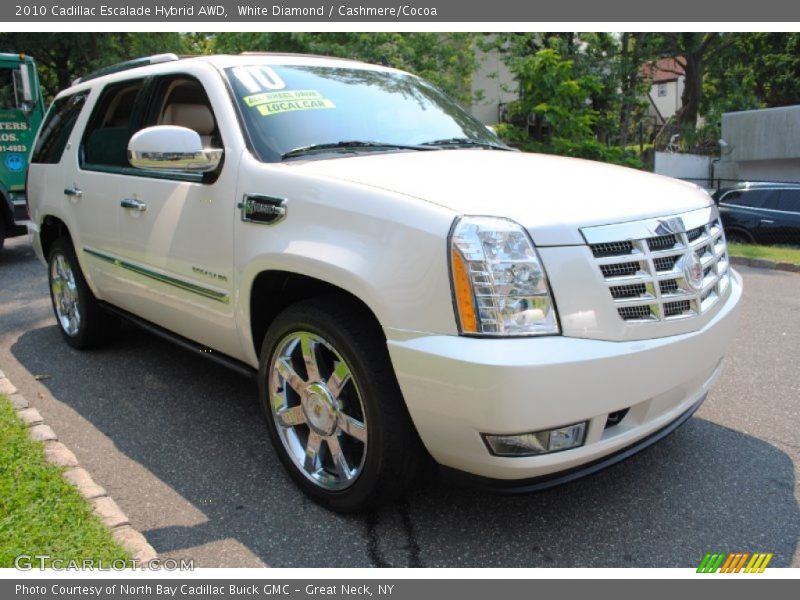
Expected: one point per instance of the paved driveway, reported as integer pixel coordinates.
(180, 444)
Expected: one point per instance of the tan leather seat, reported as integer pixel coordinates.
(192, 116)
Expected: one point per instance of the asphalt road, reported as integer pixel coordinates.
(180, 444)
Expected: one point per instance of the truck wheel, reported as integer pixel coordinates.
(80, 318)
(334, 410)
(738, 236)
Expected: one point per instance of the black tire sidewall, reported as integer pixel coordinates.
(738, 236)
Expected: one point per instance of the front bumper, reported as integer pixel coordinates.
(457, 388)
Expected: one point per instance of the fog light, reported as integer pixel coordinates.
(539, 442)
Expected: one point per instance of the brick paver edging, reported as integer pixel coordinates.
(763, 263)
(58, 454)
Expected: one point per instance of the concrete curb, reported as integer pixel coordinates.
(763, 263)
(58, 454)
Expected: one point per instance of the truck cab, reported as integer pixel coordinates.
(21, 111)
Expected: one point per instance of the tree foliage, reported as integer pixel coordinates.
(64, 57)
(582, 94)
(445, 59)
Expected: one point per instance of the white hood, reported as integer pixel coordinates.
(553, 197)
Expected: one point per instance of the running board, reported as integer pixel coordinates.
(185, 343)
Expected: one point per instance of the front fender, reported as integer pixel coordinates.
(388, 250)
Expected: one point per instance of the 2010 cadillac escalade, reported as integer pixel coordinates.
(400, 281)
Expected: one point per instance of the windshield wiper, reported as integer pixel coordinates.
(350, 145)
(464, 142)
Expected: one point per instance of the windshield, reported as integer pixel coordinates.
(10, 89)
(291, 108)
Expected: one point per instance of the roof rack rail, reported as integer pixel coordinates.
(128, 64)
(297, 54)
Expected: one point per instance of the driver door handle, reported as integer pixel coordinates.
(767, 222)
(133, 204)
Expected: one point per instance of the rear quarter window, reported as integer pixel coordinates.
(747, 198)
(57, 127)
(788, 201)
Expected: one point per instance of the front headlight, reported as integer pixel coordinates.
(499, 283)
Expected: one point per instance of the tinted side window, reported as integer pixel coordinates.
(788, 200)
(181, 100)
(748, 198)
(57, 128)
(111, 125)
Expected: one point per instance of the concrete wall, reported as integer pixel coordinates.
(768, 134)
(691, 167)
(770, 170)
(762, 145)
(492, 79)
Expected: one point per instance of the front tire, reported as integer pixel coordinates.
(334, 410)
(82, 321)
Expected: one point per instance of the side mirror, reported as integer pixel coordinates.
(171, 148)
(27, 88)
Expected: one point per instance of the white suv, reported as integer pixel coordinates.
(400, 282)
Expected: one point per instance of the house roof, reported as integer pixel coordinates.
(662, 70)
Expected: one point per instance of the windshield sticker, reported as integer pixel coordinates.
(267, 97)
(258, 79)
(284, 106)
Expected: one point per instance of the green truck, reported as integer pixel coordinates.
(21, 112)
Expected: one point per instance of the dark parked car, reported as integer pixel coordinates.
(762, 213)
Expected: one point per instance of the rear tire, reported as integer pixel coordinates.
(81, 319)
(738, 236)
(334, 410)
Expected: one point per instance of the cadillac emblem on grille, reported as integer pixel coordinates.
(663, 269)
(693, 270)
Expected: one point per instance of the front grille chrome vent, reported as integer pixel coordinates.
(662, 242)
(672, 309)
(674, 275)
(612, 249)
(636, 290)
(665, 263)
(620, 269)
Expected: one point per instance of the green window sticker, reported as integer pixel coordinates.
(292, 95)
(284, 106)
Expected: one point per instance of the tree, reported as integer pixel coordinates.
(551, 90)
(445, 59)
(64, 57)
(693, 51)
(760, 70)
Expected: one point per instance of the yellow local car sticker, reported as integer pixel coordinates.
(273, 103)
(274, 108)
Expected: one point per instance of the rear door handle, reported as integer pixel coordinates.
(767, 222)
(133, 204)
(74, 191)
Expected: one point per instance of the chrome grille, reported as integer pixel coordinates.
(620, 269)
(612, 249)
(665, 263)
(646, 277)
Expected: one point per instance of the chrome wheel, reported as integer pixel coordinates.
(318, 410)
(65, 294)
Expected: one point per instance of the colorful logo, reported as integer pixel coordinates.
(15, 162)
(734, 562)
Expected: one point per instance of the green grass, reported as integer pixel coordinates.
(40, 513)
(776, 253)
